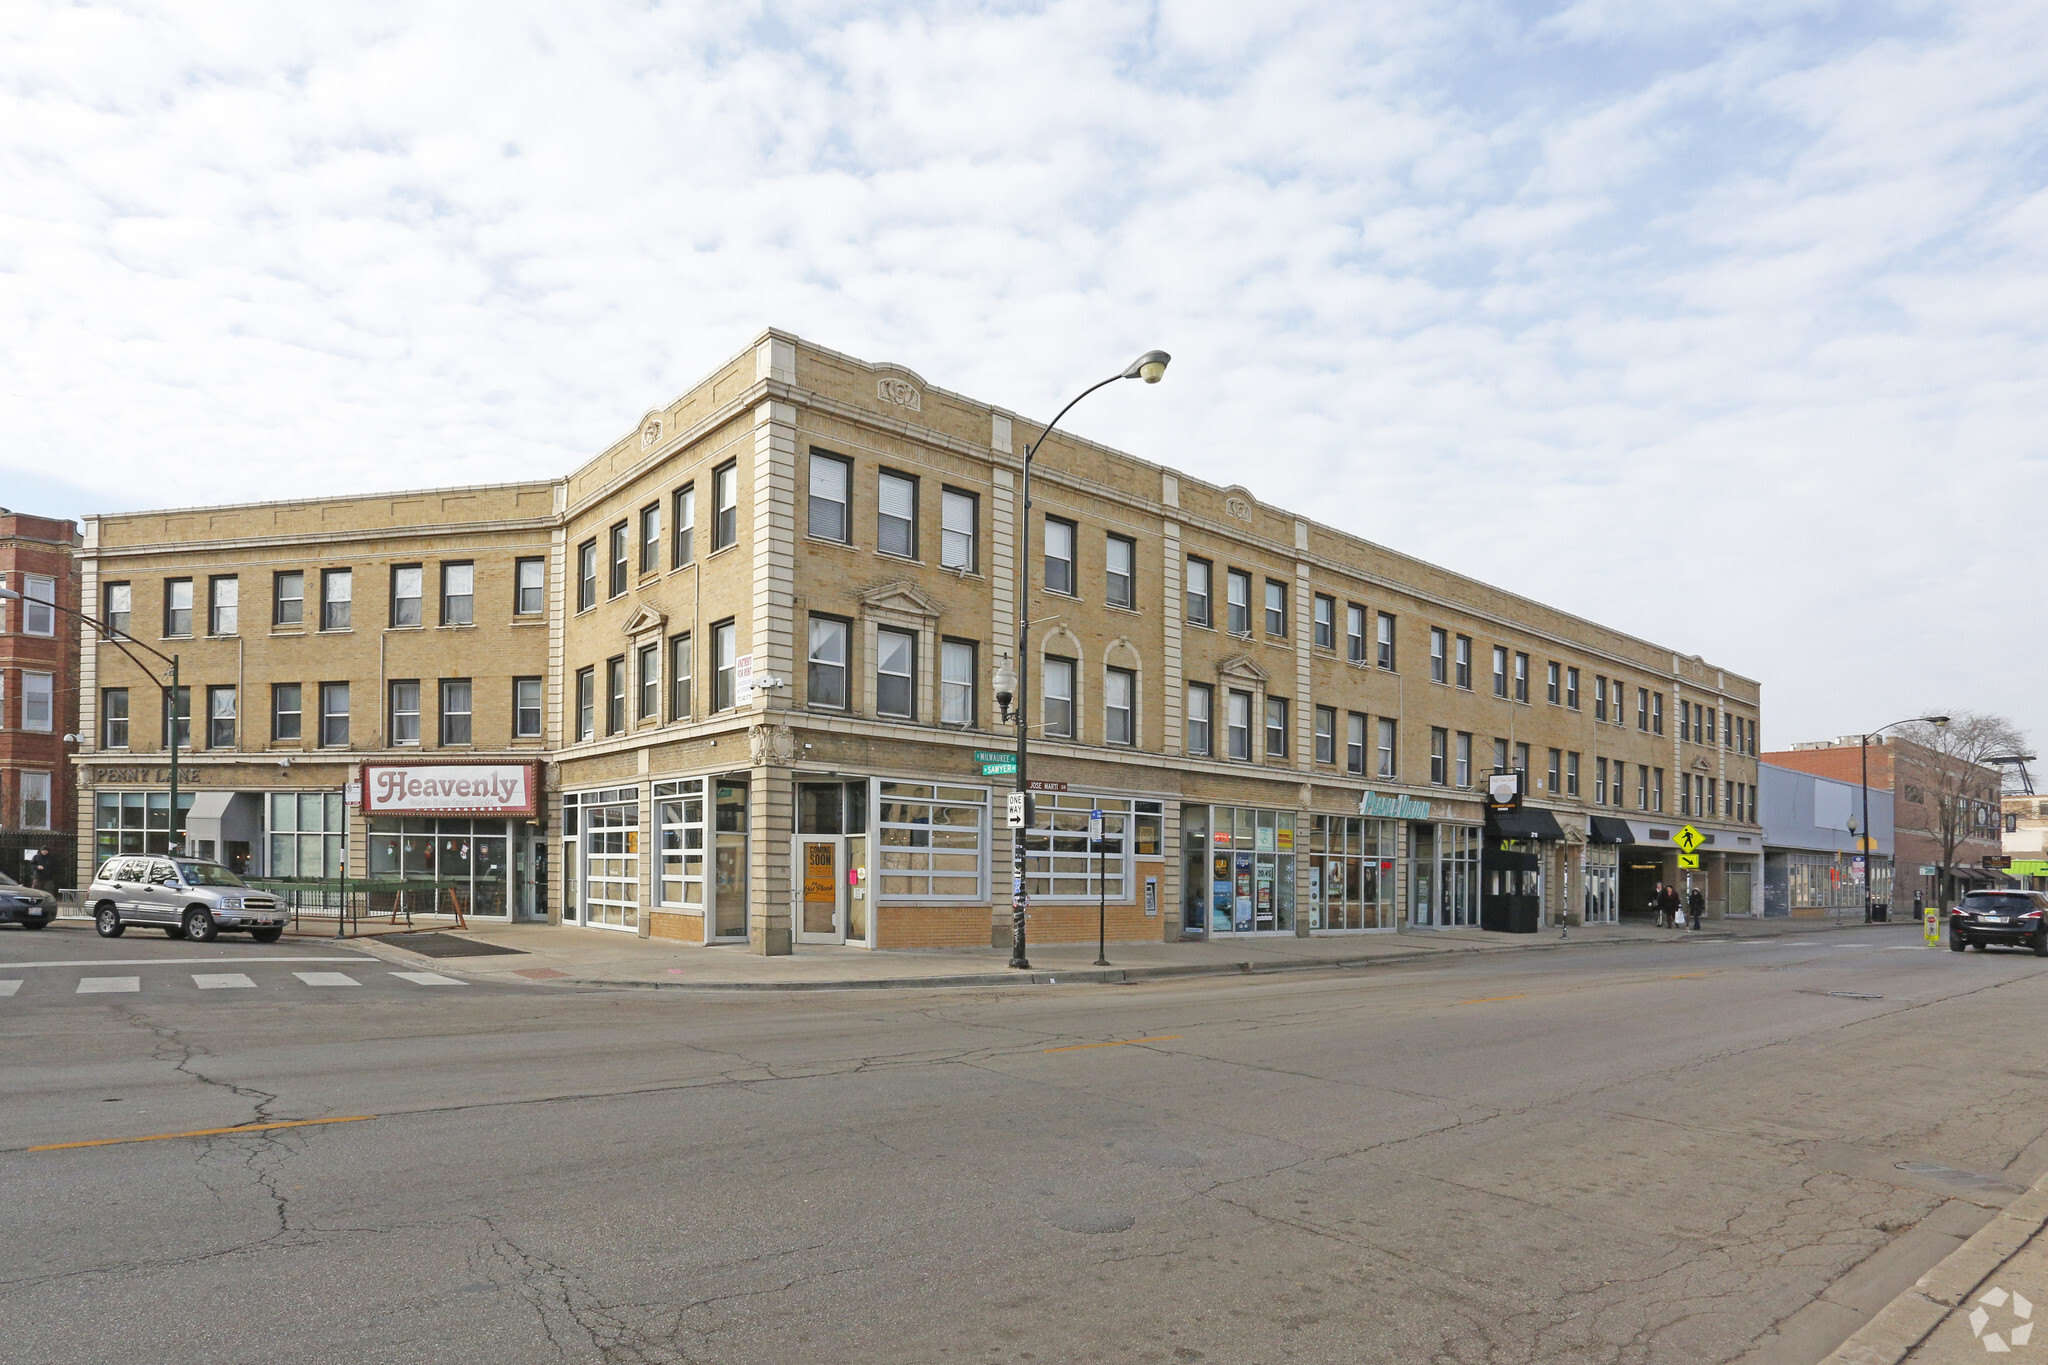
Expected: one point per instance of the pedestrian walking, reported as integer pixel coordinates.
(1668, 907)
(1696, 907)
(42, 870)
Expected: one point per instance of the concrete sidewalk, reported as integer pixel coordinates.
(1988, 1299)
(568, 956)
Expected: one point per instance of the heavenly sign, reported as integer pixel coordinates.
(448, 789)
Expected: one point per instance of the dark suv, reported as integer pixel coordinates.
(2019, 918)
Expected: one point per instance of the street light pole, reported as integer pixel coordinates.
(1864, 846)
(121, 642)
(1150, 367)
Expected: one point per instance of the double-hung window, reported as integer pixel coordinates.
(683, 529)
(1553, 682)
(334, 715)
(223, 605)
(1599, 698)
(457, 711)
(114, 717)
(724, 662)
(1439, 755)
(1120, 571)
(896, 674)
(39, 604)
(177, 606)
(1276, 727)
(679, 669)
(1642, 786)
(1500, 755)
(1599, 781)
(1387, 766)
(1464, 662)
(1059, 698)
(285, 711)
(1276, 609)
(825, 675)
(1200, 577)
(404, 725)
(117, 602)
(725, 506)
(1201, 716)
(1553, 775)
(337, 598)
(458, 594)
(586, 575)
(1354, 633)
(1521, 676)
(405, 595)
(1059, 556)
(1464, 772)
(615, 694)
(896, 514)
(650, 537)
(35, 801)
(1354, 744)
(1522, 761)
(1239, 597)
(1656, 713)
(1500, 671)
(1571, 688)
(1119, 706)
(959, 530)
(529, 592)
(526, 708)
(1656, 789)
(177, 716)
(649, 668)
(1439, 647)
(1571, 774)
(1325, 622)
(1240, 722)
(1326, 734)
(1386, 640)
(287, 598)
(586, 703)
(621, 562)
(956, 682)
(39, 702)
(1643, 709)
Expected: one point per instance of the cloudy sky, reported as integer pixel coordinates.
(1719, 321)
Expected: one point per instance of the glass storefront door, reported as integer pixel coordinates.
(1246, 864)
(729, 860)
(1601, 895)
(1443, 876)
(821, 883)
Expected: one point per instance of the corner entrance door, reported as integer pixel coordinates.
(821, 877)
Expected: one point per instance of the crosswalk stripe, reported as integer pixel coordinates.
(327, 979)
(95, 985)
(221, 981)
(429, 979)
(10, 987)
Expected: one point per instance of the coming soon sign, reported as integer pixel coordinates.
(450, 789)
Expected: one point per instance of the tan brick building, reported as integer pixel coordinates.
(772, 613)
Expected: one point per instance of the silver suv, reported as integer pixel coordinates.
(186, 897)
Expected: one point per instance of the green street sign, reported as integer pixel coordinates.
(992, 756)
(999, 770)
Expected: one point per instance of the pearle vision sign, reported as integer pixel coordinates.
(1393, 807)
(449, 789)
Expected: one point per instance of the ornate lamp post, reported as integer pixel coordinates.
(1012, 680)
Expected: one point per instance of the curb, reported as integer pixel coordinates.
(1903, 1324)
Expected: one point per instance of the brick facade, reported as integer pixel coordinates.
(32, 748)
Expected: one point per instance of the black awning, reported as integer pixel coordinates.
(1608, 830)
(1526, 823)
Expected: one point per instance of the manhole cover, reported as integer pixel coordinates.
(447, 945)
(1090, 1220)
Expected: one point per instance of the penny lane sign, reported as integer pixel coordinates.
(448, 789)
(1393, 807)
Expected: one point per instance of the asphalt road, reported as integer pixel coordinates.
(1637, 1154)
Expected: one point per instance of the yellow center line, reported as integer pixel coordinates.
(1127, 1042)
(1489, 999)
(201, 1132)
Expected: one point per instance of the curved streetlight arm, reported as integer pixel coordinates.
(112, 636)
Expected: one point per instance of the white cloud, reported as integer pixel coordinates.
(1718, 322)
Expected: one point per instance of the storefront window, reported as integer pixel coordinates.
(464, 859)
(1351, 872)
(1443, 875)
(679, 811)
(136, 822)
(1251, 870)
(308, 835)
(607, 828)
(1059, 861)
(931, 841)
(729, 871)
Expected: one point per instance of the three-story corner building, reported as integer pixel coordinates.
(38, 688)
(768, 621)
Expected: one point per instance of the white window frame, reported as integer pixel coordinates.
(895, 514)
(826, 653)
(1126, 595)
(408, 589)
(1120, 706)
(39, 695)
(224, 605)
(35, 789)
(1066, 670)
(959, 530)
(830, 508)
(886, 639)
(957, 665)
(1067, 533)
(1201, 720)
(39, 605)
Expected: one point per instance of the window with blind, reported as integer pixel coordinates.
(959, 514)
(896, 515)
(831, 477)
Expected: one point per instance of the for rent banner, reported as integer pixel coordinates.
(449, 789)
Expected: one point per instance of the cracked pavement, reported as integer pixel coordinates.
(1642, 1155)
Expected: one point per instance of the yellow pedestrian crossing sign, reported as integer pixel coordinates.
(1688, 862)
(1690, 840)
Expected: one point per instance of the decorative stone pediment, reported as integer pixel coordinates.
(645, 617)
(1240, 668)
(897, 597)
(1237, 502)
(650, 430)
(774, 744)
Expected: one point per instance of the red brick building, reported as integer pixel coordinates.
(38, 690)
(1907, 770)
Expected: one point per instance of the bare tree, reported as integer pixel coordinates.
(1962, 785)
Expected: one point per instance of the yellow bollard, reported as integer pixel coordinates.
(1933, 928)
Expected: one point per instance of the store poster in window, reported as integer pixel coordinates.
(1220, 890)
(1244, 893)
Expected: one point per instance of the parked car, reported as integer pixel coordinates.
(2019, 918)
(185, 897)
(24, 905)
